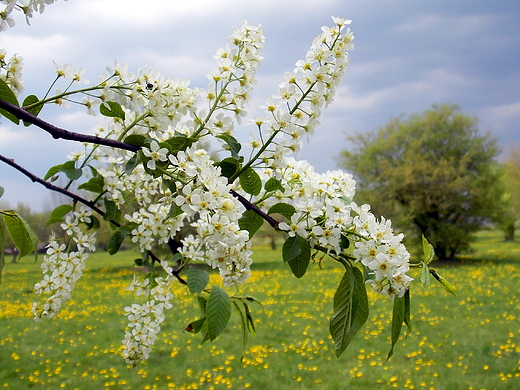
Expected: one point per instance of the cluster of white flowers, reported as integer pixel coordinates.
(219, 240)
(324, 211)
(144, 320)
(61, 267)
(382, 253)
(26, 6)
(233, 79)
(295, 111)
(322, 202)
(11, 71)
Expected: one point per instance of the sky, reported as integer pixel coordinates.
(408, 55)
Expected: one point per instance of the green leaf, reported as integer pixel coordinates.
(112, 212)
(250, 321)
(203, 303)
(70, 170)
(398, 315)
(249, 298)
(250, 181)
(425, 276)
(35, 110)
(204, 332)
(291, 248)
(6, 94)
(444, 283)
(234, 145)
(52, 172)
(171, 185)
(181, 142)
(243, 327)
(296, 252)
(428, 251)
(1, 191)
(21, 233)
(59, 213)
(136, 140)
(196, 326)
(197, 280)
(116, 240)
(230, 166)
(93, 224)
(175, 211)
(95, 184)
(344, 242)
(273, 184)
(350, 309)
(284, 209)
(112, 110)
(251, 222)
(407, 318)
(133, 162)
(166, 146)
(218, 312)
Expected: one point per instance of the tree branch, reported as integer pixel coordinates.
(50, 186)
(77, 198)
(57, 132)
(250, 206)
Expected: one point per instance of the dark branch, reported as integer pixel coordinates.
(57, 132)
(79, 199)
(50, 186)
(250, 206)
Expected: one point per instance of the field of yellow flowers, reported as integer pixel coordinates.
(467, 342)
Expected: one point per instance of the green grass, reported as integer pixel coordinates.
(468, 342)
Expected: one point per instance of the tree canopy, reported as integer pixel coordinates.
(434, 173)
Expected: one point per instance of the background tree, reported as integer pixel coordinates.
(511, 196)
(433, 173)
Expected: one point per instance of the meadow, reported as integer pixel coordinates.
(466, 342)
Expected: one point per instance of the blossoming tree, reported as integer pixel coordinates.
(146, 172)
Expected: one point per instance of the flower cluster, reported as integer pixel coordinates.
(321, 203)
(324, 213)
(295, 111)
(61, 267)
(219, 240)
(145, 319)
(382, 253)
(233, 78)
(27, 7)
(11, 71)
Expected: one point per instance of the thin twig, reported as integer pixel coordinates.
(50, 186)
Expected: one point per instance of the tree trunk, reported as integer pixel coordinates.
(15, 255)
(509, 232)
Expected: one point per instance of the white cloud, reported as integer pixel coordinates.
(502, 120)
(505, 111)
(183, 66)
(443, 24)
(11, 137)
